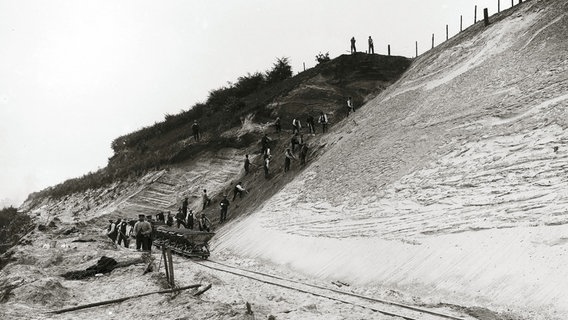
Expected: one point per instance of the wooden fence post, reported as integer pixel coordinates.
(416, 49)
(166, 267)
(171, 266)
(512, 3)
(486, 16)
(461, 23)
(498, 6)
(432, 41)
(447, 34)
(389, 49)
(475, 15)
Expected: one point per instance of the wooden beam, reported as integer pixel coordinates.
(102, 303)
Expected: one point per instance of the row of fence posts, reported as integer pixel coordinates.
(485, 20)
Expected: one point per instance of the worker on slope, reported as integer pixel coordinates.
(239, 189)
(311, 124)
(204, 223)
(206, 199)
(350, 107)
(224, 204)
(323, 120)
(247, 164)
(371, 46)
(195, 130)
(288, 157)
(265, 142)
(296, 126)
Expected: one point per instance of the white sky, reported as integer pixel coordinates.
(74, 75)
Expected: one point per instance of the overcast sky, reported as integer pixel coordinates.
(76, 74)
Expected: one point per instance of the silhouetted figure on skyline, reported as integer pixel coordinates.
(353, 49)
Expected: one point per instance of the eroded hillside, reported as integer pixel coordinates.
(451, 182)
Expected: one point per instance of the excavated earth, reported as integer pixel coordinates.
(447, 190)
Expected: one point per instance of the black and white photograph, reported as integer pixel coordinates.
(284, 160)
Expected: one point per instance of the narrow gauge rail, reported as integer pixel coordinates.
(385, 307)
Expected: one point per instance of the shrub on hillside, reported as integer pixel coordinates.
(321, 58)
(281, 70)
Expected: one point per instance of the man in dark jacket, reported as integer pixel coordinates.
(224, 207)
(112, 233)
(247, 164)
(121, 228)
(180, 218)
(195, 130)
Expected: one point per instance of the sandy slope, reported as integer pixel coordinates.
(447, 183)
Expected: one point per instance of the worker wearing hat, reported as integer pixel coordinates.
(142, 232)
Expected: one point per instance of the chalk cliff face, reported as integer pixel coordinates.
(451, 182)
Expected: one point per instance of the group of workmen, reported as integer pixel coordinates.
(121, 230)
(188, 219)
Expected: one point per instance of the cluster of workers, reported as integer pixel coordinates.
(121, 230)
(142, 230)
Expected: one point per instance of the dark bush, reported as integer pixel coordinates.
(321, 58)
(280, 71)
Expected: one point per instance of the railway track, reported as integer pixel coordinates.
(385, 307)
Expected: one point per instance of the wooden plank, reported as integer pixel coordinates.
(101, 303)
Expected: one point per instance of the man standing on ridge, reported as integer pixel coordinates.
(371, 46)
(353, 49)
